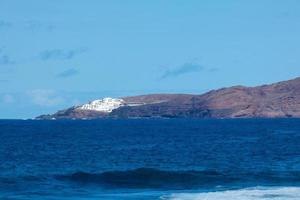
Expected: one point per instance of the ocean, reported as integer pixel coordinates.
(155, 159)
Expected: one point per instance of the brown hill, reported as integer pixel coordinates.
(268, 101)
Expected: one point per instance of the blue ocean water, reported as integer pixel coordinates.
(150, 159)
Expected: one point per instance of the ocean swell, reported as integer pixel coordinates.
(155, 178)
(149, 178)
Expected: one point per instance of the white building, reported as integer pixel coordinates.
(103, 105)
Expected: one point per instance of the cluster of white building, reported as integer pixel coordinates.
(103, 105)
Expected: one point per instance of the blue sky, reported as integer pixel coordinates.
(57, 53)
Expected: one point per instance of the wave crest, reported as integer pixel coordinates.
(149, 178)
(155, 178)
(259, 193)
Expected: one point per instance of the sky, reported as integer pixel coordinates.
(58, 53)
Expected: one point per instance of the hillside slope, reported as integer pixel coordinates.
(268, 101)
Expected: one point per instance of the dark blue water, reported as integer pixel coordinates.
(150, 159)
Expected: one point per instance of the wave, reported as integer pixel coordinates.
(149, 178)
(258, 193)
(154, 178)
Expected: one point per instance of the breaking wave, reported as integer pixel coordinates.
(258, 193)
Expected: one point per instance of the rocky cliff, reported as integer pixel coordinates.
(268, 101)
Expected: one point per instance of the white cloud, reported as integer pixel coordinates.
(45, 97)
(8, 98)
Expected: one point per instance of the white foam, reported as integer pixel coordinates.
(259, 193)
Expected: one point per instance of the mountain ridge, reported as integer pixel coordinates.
(276, 100)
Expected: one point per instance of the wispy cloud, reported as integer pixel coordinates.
(181, 70)
(68, 73)
(37, 26)
(5, 59)
(59, 54)
(213, 69)
(5, 24)
(47, 98)
(8, 99)
(32, 25)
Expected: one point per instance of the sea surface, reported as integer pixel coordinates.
(155, 159)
